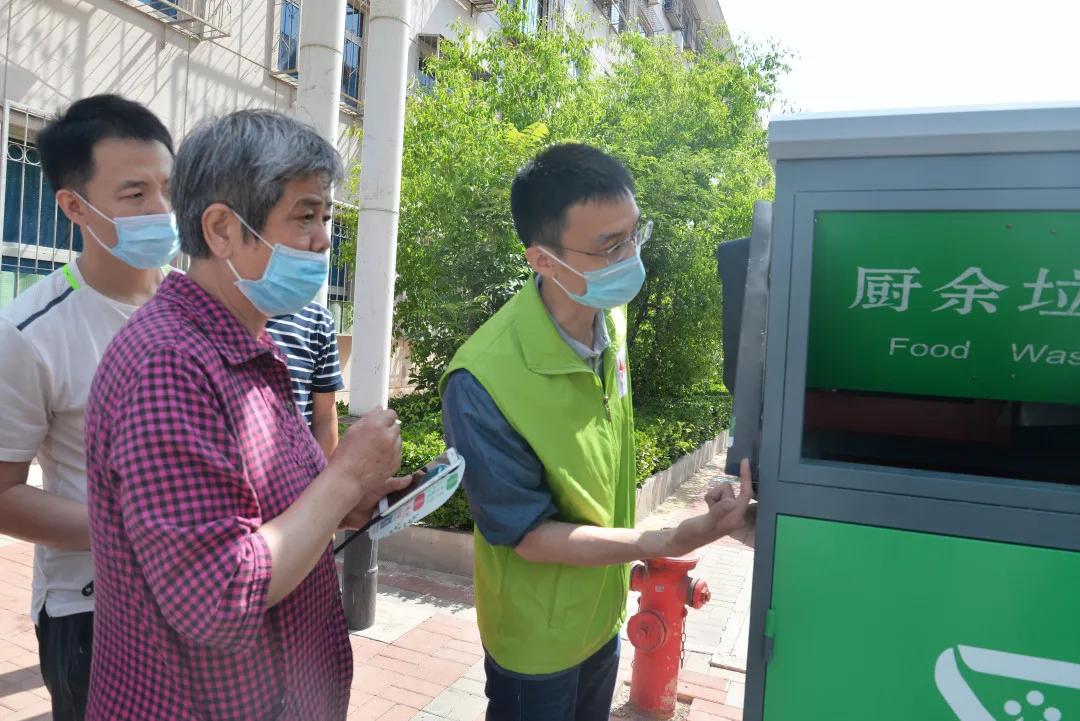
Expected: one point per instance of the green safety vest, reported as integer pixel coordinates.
(539, 618)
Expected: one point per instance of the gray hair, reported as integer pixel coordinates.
(244, 160)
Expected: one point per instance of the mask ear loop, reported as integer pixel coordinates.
(92, 207)
(233, 269)
(93, 233)
(253, 232)
(563, 263)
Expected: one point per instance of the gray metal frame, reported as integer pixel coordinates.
(750, 371)
(997, 509)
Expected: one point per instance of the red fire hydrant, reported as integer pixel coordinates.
(656, 630)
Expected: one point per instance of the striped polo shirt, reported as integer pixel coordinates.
(309, 342)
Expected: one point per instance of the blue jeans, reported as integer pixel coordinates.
(581, 693)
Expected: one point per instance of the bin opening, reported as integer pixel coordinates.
(1032, 441)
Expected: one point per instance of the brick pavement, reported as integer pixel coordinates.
(22, 695)
(422, 661)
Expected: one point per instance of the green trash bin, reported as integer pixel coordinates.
(918, 550)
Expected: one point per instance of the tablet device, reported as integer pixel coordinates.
(442, 477)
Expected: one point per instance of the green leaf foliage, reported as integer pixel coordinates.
(686, 125)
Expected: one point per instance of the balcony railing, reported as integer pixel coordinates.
(619, 14)
(675, 11)
(198, 19)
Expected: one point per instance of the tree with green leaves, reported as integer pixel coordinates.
(686, 125)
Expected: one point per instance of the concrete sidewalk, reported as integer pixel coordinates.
(423, 661)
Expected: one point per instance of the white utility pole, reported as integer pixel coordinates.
(318, 59)
(376, 254)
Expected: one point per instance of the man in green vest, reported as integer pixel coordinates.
(538, 401)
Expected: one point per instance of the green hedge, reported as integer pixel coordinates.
(666, 431)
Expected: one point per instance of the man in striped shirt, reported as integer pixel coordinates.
(309, 343)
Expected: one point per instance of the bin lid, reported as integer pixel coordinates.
(932, 131)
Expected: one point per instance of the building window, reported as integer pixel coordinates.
(289, 37)
(31, 215)
(162, 8)
(691, 37)
(288, 44)
(427, 47)
(539, 12)
(619, 14)
(532, 14)
(37, 236)
(352, 54)
(339, 294)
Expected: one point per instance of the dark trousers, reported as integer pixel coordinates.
(581, 693)
(64, 654)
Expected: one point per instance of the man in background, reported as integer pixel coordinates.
(310, 345)
(108, 160)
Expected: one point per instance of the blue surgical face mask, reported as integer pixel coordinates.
(291, 280)
(610, 287)
(142, 241)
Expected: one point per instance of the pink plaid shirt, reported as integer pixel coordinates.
(193, 441)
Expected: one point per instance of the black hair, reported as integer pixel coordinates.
(67, 142)
(559, 177)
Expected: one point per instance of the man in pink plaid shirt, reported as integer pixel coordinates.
(211, 504)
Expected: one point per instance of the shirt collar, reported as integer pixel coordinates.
(601, 339)
(542, 346)
(224, 330)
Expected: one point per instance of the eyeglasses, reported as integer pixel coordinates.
(624, 248)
